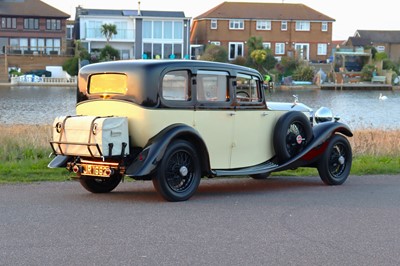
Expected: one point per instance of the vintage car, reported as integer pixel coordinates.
(176, 121)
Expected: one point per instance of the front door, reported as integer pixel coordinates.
(302, 51)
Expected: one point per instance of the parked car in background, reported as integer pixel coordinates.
(176, 121)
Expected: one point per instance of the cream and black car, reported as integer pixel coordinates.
(176, 121)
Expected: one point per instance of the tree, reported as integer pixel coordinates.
(254, 43)
(108, 30)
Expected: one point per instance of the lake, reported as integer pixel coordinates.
(359, 109)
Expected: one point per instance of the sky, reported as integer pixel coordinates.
(349, 15)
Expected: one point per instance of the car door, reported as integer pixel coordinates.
(214, 117)
(253, 125)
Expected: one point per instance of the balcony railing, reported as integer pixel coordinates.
(122, 34)
(37, 51)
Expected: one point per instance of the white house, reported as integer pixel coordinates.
(140, 34)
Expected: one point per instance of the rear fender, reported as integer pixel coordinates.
(59, 161)
(147, 161)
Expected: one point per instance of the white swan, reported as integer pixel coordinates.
(382, 97)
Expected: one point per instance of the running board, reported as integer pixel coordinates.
(258, 169)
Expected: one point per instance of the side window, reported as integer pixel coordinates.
(175, 86)
(247, 89)
(212, 86)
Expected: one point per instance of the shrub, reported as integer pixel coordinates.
(366, 72)
(303, 73)
(71, 66)
(215, 53)
(109, 53)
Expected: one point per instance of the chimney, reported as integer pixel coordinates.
(139, 14)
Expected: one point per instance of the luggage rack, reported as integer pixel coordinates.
(60, 127)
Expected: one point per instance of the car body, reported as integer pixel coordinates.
(175, 121)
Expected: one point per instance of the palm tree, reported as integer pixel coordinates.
(108, 30)
(254, 43)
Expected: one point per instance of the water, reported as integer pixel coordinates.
(35, 105)
(359, 109)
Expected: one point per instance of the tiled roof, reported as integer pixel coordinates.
(380, 36)
(272, 11)
(30, 8)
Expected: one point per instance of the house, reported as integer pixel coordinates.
(287, 29)
(32, 27)
(140, 33)
(383, 41)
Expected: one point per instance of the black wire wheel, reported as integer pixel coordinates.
(335, 164)
(292, 134)
(95, 185)
(179, 172)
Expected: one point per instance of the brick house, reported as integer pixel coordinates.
(32, 27)
(140, 33)
(287, 29)
(387, 41)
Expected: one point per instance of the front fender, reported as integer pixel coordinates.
(321, 133)
(147, 161)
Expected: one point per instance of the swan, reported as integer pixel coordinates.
(382, 97)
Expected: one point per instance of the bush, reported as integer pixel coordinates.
(215, 53)
(303, 73)
(109, 53)
(71, 66)
(240, 60)
(366, 72)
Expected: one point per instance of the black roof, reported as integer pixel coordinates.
(135, 13)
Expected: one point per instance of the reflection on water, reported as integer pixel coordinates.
(359, 109)
(35, 105)
(40, 105)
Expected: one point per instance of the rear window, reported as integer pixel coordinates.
(108, 83)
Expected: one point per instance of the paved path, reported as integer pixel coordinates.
(280, 221)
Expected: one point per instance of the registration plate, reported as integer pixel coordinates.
(96, 170)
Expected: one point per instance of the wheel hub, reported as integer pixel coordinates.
(299, 139)
(341, 160)
(183, 171)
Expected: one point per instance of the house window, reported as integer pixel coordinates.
(53, 46)
(284, 25)
(302, 26)
(178, 30)
(324, 26)
(37, 44)
(147, 30)
(8, 23)
(236, 24)
(53, 24)
(263, 25)
(157, 29)
(322, 49)
(266, 45)
(31, 23)
(280, 48)
(380, 48)
(167, 29)
(214, 24)
(215, 43)
(235, 50)
(70, 32)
